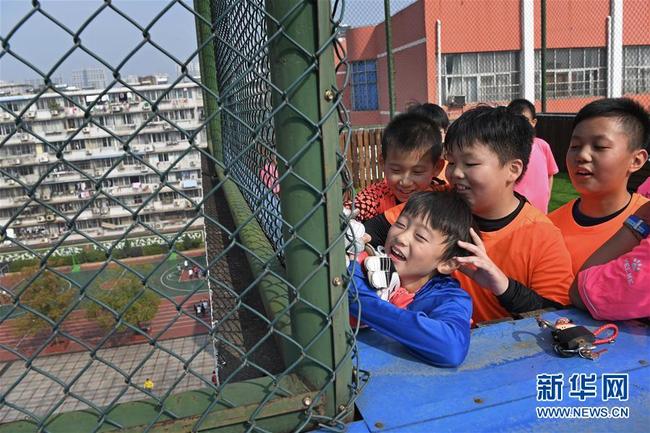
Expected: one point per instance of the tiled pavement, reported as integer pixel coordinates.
(100, 383)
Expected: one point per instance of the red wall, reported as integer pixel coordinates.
(479, 26)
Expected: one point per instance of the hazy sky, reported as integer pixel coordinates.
(42, 43)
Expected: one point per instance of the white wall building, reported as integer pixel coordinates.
(61, 163)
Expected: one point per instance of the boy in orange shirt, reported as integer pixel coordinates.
(519, 263)
(411, 148)
(608, 144)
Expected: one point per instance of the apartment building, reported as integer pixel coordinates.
(64, 173)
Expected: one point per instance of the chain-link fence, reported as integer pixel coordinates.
(458, 54)
(172, 249)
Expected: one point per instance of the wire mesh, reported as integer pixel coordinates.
(130, 212)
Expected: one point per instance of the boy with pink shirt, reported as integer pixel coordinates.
(537, 182)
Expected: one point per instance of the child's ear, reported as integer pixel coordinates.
(639, 158)
(515, 166)
(447, 267)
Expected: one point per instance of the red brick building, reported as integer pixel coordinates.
(461, 52)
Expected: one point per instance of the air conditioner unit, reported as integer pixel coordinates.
(18, 222)
(154, 186)
(98, 172)
(24, 137)
(120, 167)
(43, 158)
(11, 182)
(192, 163)
(54, 112)
(86, 130)
(6, 116)
(17, 161)
(167, 126)
(96, 211)
(177, 203)
(89, 152)
(130, 125)
(50, 217)
(148, 148)
(116, 108)
(67, 150)
(188, 204)
(40, 219)
(105, 210)
(144, 169)
(31, 114)
(139, 166)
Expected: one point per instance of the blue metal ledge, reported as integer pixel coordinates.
(495, 389)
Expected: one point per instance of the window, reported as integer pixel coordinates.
(364, 86)
(636, 69)
(572, 72)
(481, 77)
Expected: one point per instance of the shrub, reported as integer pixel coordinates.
(92, 255)
(20, 264)
(143, 310)
(153, 249)
(48, 294)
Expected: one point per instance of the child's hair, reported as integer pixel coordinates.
(447, 212)
(435, 112)
(520, 106)
(408, 132)
(632, 116)
(508, 135)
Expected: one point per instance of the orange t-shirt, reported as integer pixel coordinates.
(583, 241)
(530, 250)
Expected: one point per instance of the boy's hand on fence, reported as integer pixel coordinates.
(480, 268)
(355, 234)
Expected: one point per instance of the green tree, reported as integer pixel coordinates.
(125, 289)
(48, 294)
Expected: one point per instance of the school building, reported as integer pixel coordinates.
(458, 53)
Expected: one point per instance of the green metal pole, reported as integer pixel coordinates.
(207, 63)
(389, 59)
(543, 56)
(302, 67)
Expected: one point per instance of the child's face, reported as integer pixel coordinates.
(478, 175)
(599, 159)
(415, 249)
(407, 173)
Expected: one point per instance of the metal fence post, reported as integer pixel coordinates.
(207, 64)
(390, 64)
(302, 72)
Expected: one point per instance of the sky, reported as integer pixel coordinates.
(43, 43)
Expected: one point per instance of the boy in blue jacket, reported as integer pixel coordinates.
(429, 312)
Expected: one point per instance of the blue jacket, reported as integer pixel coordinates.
(435, 326)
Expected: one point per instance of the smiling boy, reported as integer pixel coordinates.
(519, 263)
(411, 148)
(429, 313)
(608, 144)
